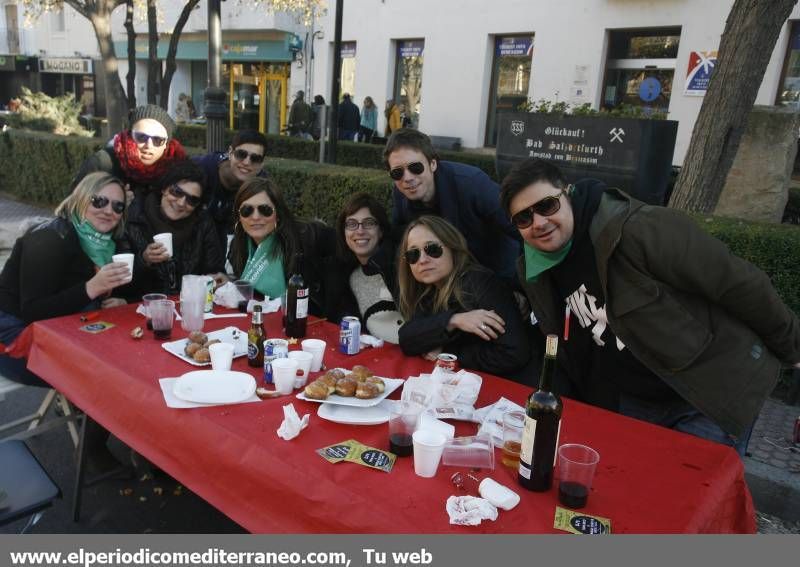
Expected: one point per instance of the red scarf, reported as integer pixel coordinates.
(132, 167)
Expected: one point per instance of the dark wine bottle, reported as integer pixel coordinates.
(255, 339)
(296, 313)
(542, 427)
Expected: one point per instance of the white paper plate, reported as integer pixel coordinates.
(391, 385)
(214, 387)
(350, 415)
(225, 335)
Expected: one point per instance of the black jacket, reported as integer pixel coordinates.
(508, 356)
(339, 299)
(46, 274)
(200, 254)
(317, 243)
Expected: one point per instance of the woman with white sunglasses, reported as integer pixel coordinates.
(454, 305)
(139, 156)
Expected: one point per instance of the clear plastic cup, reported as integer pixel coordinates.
(576, 466)
(474, 452)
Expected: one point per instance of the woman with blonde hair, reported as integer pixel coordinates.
(453, 304)
(64, 266)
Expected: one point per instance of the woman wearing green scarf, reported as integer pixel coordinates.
(64, 266)
(267, 240)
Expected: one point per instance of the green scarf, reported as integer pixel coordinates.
(97, 245)
(265, 275)
(537, 262)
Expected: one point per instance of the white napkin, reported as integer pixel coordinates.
(173, 401)
(369, 340)
(491, 419)
(227, 295)
(469, 510)
(292, 425)
(498, 494)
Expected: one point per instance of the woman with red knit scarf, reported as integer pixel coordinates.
(139, 156)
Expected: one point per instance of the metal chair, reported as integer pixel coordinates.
(28, 489)
(38, 422)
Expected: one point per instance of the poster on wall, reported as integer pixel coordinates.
(698, 74)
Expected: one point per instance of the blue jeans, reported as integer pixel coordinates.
(682, 416)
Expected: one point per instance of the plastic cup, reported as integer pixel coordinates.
(473, 452)
(221, 356)
(162, 312)
(428, 446)
(245, 290)
(317, 348)
(192, 315)
(125, 259)
(283, 374)
(576, 466)
(513, 424)
(146, 300)
(403, 422)
(164, 238)
(304, 360)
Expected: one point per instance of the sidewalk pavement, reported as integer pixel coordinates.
(772, 466)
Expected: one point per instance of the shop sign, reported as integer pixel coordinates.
(514, 46)
(413, 48)
(64, 65)
(698, 75)
(348, 50)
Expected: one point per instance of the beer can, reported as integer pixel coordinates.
(209, 283)
(350, 335)
(447, 362)
(273, 348)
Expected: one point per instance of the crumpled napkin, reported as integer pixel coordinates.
(469, 510)
(292, 425)
(228, 296)
(369, 340)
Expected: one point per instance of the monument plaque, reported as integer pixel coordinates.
(632, 154)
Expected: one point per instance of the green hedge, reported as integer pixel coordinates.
(317, 191)
(347, 153)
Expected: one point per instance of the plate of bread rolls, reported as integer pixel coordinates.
(194, 348)
(358, 387)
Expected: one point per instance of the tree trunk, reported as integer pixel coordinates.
(169, 71)
(115, 96)
(153, 67)
(131, 76)
(751, 32)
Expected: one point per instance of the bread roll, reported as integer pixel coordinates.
(378, 382)
(192, 348)
(329, 380)
(317, 390)
(361, 373)
(366, 391)
(346, 387)
(198, 337)
(202, 355)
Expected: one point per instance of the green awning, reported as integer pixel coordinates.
(232, 50)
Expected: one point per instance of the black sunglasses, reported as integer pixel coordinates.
(367, 224)
(242, 155)
(416, 168)
(178, 193)
(432, 249)
(141, 138)
(100, 202)
(545, 208)
(264, 210)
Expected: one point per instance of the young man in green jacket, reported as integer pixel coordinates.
(659, 321)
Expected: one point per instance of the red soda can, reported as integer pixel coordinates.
(447, 362)
(796, 436)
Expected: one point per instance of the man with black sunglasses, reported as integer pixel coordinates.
(660, 321)
(460, 193)
(225, 173)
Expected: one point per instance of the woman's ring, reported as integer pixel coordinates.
(483, 326)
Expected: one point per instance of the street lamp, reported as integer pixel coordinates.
(215, 96)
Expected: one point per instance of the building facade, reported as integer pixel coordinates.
(451, 64)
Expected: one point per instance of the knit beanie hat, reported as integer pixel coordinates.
(154, 113)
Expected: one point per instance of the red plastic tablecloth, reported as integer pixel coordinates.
(649, 479)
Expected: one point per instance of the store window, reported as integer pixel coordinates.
(640, 68)
(789, 91)
(348, 73)
(408, 80)
(511, 76)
